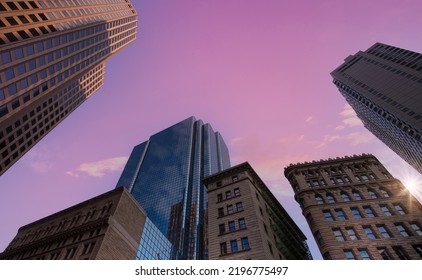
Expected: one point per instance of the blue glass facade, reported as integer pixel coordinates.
(165, 176)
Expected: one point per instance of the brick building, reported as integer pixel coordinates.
(245, 220)
(356, 209)
(105, 227)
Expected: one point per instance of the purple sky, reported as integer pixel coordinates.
(257, 71)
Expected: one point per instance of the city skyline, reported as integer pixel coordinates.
(259, 73)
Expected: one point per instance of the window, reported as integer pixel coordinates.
(233, 245)
(232, 226)
(402, 230)
(385, 210)
(328, 216)
(384, 253)
(239, 206)
(245, 243)
(219, 184)
(345, 197)
(270, 247)
(357, 195)
(222, 228)
(418, 249)
(265, 228)
(400, 252)
(318, 238)
(235, 178)
(352, 234)
(70, 253)
(356, 213)
(369, 232)
(220, 212)
(223, 248)
(228, 194)
(219, 197)
(364, 254)
(260, 210)
(399, 209)
(229, 209)
(88, 248)
(330, 198)
(348, 254)
(368, 211)
(340, 214)
(365, 177)
(372, 194)
(55, 256)
(236, 192)
(384, 193)
(383, 230)
(338, 234)
(242, 223)
(318, 199)
(416, 228)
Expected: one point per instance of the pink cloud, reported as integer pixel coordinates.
(99, 168)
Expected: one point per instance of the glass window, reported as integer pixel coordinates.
(12, 89)
(330, 198)
(348, 254)
(232, 226)
(222, 228)
(418, 249)
(352, 234)
(229, 209)
(399, 209)
(416, 228)
(369, 232)
(328, 216)
(319, 199)
(239, 206)
(242, 223)
(384, 253)
(9, 74)
(364, 254)
(402, 230)
(228, 194)
(356, 213)
(338, 234)
(319, 239)
(383, 230)
(235, 178)
(245, 243)
(32, 65)
(368, 211)
(6, 57)
(21, 69)
(345, 197)
(30, 50)
(223, 248)
(236, 192)
(357, 195)
(19, 53)
(340, 214)
(372, 194)
(220, 212)
(385, 210)
(384, 193)
(219, 197)
(233, 245)
(401, 253)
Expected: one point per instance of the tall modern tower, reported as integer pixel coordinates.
(165, 174)
(357, 210)
(384, 86)
(52, 58)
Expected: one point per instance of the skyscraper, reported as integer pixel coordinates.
(384, 87)
(246, 221)
(165, 174)
(52, 58)
(357, 210)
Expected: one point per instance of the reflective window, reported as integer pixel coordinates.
(338, 234)
(348, 254)
(384, 253)
(233, 245)
(356, 213)
(345, 197)
(328, 216)
(383, 231)
(242, 223)
(368, 211)
(352, 234)
(369, 232)
(245, 243)
(364, 254)
(340, 214)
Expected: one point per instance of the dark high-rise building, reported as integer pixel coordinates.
(52, 58)
(357, 210)
(384, 87)
(246, 221)
(165, 175)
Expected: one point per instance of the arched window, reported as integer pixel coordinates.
(384, 193)
(357, 195)
(330, 198)
(319, 199)
(372, 194)
(345, 196)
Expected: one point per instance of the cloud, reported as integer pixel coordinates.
(99, 168)
(358, 138)
(328, 139)
(349, 117)
(309, 119)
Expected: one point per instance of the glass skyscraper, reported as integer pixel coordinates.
(52, 58)
(165, 175)
(384, 87)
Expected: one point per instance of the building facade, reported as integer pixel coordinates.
(384, 87)
(106, 227)
(52, 58)
(357, 210)
(246, 221)
(165, 175)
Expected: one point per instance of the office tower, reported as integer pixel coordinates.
(357, 210)
(106, 227)
(52, 58)
(246, 221)
(165, 175)
(384, 87)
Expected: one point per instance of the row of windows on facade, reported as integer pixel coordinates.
(340, 180)
(357, 214)
(330, 198)
(26, 5)
(383, 230)
(230, 209)
(355, 168)
(234, 179)
(228, 195)
(383, 252)
(234, 248)
(398, 55)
